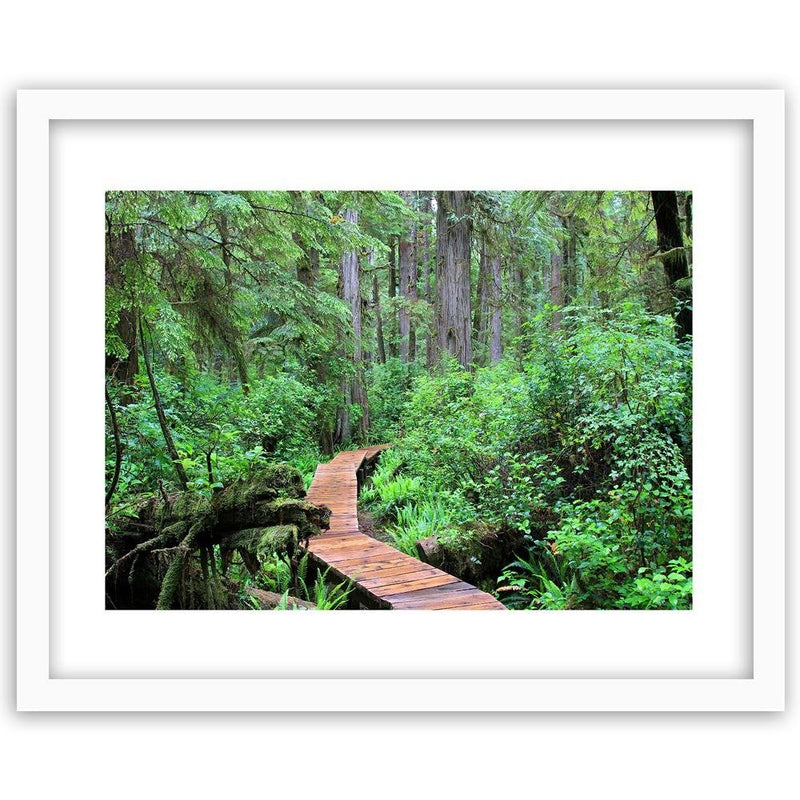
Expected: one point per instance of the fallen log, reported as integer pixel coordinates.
(478, 553)
(164, 554)
(268, 600)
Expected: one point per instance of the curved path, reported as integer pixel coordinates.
(384, 577)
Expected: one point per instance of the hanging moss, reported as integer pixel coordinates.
(170, 584)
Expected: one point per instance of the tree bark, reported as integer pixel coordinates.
(269, 600)
(426, 273)
(570, 276)
(354, 389)
(481, 312)
(685, 203)
(453, 317)
(391, 341)
(408, 288)
(674, 258)
(231, 340)
(494, 304)
(376, 302)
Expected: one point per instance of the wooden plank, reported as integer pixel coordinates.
(474, 606)
(348, 554)
(442, 599)
(379, 571)
(472, 599)
(410, 594)
(349, 549)
(336, 536)
(334, 540)
(338, 556)
(441, 579)
(377, 583)
(380, 561)
(392, 569)
(427, 594)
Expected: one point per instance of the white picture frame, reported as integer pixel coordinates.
(66, 641)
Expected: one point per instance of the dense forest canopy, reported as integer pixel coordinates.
(528, 354)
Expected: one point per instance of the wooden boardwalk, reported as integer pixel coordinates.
(384, 577)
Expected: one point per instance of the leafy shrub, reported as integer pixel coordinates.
(658, 588)
(581, 445)
(388, 388)
(219, 432)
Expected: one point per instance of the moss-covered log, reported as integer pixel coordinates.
(269, 600)
(152, 561)
(476, 553)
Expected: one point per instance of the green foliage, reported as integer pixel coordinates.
(662, 587)
(278, 415)
(575, 447)
(214, 424)
(277, 577)
(411, 508)
(388, 389)
(416, 521)
(526, 584)
(580, 447)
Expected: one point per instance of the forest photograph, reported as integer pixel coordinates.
(398, 400)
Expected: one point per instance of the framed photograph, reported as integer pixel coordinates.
(364, 176)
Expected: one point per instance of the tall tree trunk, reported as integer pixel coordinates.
(391, 340)
(494, 304)
(354, 388)
(425, 271)
(453, 317)
(676, 264)
(376, 305)
(685, 203)
(481, 311)
(232, 341)
(408, 288)
(376, 301)
(570, 275)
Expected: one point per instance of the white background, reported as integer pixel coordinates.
(150, 45)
